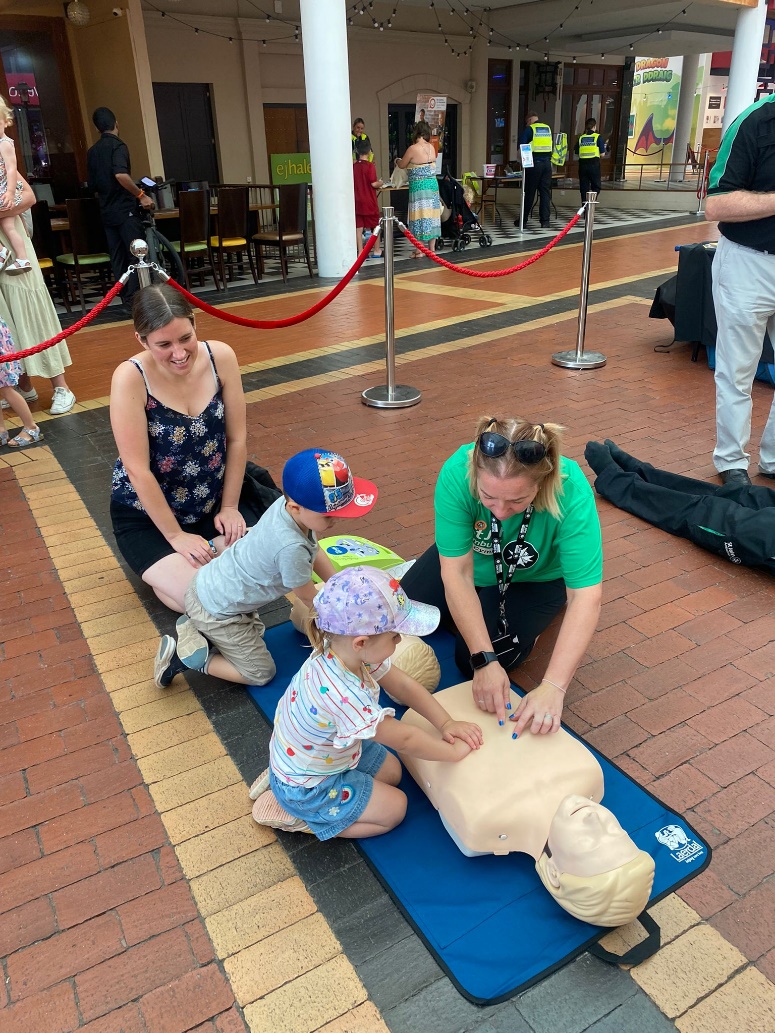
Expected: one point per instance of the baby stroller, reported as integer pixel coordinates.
(462, 222)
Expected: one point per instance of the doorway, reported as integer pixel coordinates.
(286, 129)
(185, 117)
(401, 124)
(591, 91)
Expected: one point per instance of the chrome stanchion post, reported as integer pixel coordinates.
(703, 185)
(578, 359)
(139, 249)
(390, 395)
(522, 204)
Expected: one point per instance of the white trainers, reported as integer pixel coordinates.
(62, 402)
(31, 396)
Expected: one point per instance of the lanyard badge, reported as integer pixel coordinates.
(497, 554)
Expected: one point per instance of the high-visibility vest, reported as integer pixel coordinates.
(560, 151)
(542, 142)
(589, 145)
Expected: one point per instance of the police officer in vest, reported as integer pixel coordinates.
(358, 135)
(590, 147)
(539, 135)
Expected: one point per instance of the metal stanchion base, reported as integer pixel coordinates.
(380, 398)
(570, 360)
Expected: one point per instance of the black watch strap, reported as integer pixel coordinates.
(479, 660)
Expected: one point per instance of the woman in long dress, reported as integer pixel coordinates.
(27, 308)
(424, 204)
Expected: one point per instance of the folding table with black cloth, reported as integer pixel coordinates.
(686, 299)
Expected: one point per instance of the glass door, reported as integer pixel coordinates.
(591, 91)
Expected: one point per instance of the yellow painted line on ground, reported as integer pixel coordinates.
(265, 927)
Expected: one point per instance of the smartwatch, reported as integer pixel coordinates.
(479, 660)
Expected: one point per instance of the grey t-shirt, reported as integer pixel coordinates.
(273, 558)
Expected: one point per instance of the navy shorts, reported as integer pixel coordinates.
(338, 801)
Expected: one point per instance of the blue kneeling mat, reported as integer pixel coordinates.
(488, 921)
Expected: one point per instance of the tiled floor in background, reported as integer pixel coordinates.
(138, 896)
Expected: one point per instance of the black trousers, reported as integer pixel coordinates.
(539, 180)
(736, 522)
(120, 236)
(530, 606)
(589, 176)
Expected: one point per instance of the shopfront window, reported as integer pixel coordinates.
(31, 63)
(498, 111)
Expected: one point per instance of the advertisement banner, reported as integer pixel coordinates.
(653, 111)
(433, 110)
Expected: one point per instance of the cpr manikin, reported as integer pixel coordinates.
(538, 795)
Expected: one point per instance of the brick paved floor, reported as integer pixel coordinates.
(135, 894)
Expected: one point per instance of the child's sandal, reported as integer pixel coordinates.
(260, 785)
(26, 437)
(21, 265)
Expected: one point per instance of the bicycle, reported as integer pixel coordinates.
(160, 251)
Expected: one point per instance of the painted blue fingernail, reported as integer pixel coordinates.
(500, 722)
(508, 706)
(514, 735)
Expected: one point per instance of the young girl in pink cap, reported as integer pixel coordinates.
(330, 772)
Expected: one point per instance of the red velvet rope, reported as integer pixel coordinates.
(277, 324)
(497, 272)
(84, 321)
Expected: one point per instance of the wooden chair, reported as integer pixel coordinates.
(194, 246)
(45, 246)
(489, 195)
(232, 236)
(90, 247)
(291, 229)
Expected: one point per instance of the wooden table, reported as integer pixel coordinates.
(63, 225)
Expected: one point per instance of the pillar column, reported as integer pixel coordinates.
(746, 56)
(683, 121)
(327, 80)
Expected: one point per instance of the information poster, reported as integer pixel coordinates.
(433, 110)
(653, 111)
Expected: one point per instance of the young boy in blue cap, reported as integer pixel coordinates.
(221, 633)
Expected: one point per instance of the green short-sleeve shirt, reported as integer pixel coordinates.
(570, 547)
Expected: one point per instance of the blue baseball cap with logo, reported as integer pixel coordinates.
(320, 480)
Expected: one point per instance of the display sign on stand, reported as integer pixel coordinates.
(433, 110)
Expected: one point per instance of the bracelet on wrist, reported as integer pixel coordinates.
(141, 194)
(555, 685)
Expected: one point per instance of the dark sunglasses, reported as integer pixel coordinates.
(495, 445)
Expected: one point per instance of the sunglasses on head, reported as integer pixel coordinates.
(527, 452)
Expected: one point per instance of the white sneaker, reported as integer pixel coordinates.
(62, 402)
(31, 396)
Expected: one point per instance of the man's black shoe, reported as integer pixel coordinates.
(735, 477)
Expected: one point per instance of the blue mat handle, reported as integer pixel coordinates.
(635, 955)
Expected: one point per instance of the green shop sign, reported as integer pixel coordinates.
(290, 168)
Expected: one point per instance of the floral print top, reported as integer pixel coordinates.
(187, 455)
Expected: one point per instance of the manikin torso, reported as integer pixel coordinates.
(502, 798)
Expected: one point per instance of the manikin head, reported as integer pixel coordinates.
(591, 866)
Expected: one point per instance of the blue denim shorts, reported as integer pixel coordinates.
(337, 802)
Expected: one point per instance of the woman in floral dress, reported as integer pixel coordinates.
(178, 415)
(424, 204)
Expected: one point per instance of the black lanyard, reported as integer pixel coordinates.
(497, 555)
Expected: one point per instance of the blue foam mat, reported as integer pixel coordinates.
(488, 921)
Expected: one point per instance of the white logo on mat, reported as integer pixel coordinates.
(678, 843)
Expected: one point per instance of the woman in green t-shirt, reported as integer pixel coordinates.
(517, 540)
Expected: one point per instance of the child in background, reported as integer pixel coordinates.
(10, 372)
(366, 184)
(11, 188)
(276, 556)
(330, 773)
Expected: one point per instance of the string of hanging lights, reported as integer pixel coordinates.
(475, 29)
